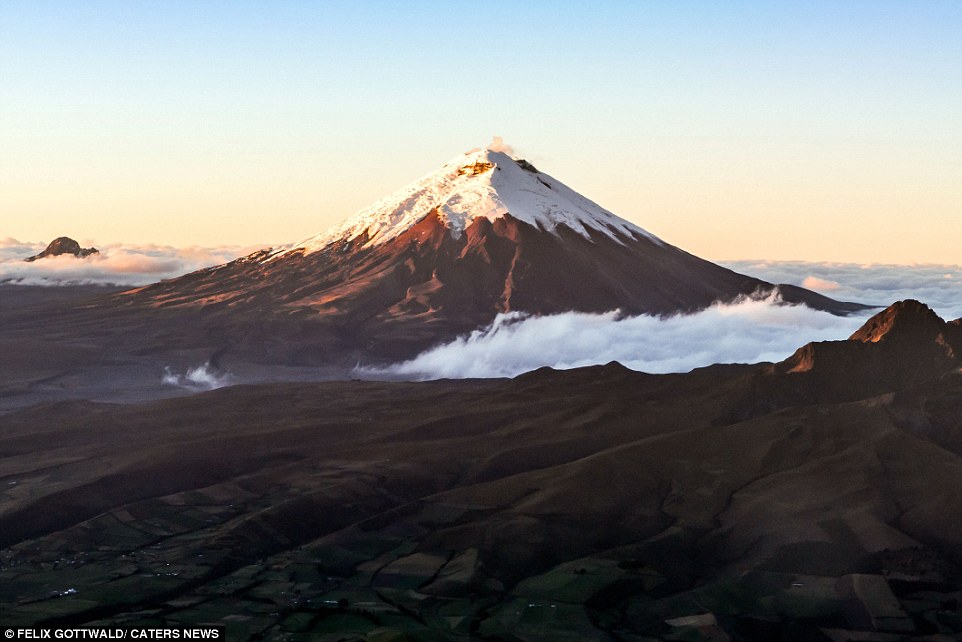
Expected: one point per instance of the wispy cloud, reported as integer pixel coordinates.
(117, 264)
(203, 377)
(497, 144)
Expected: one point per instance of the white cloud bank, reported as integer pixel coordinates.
(116, 264)
(938, 286)
(747, 331)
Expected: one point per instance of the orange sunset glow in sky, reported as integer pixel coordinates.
(818, 131)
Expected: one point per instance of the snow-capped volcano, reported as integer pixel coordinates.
(484, 234)
(477, 184)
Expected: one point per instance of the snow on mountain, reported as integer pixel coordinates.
(485, 235)
(479, 183)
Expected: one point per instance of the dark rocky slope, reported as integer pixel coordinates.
(592, 504)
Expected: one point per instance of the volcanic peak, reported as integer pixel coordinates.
(64, 245)
(477, 184)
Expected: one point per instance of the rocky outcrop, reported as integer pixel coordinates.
(64, 245)
(905, 346)
(905, 343)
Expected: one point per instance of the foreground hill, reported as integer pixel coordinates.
(735, 502)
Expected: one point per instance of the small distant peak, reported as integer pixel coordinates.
(909, 318)
(64, 245)
(615, 367)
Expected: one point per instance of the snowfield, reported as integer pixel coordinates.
(481, 183)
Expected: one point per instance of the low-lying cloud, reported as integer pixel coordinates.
(747, 331)
(938, 286)
(116, 264)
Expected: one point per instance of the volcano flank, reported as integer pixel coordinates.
(485, 234)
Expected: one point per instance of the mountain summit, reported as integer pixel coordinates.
(484, 234)
(64, 245)
(478, 184)
(908, 322)
(906, 344)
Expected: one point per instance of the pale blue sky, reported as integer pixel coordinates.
(781, 130)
